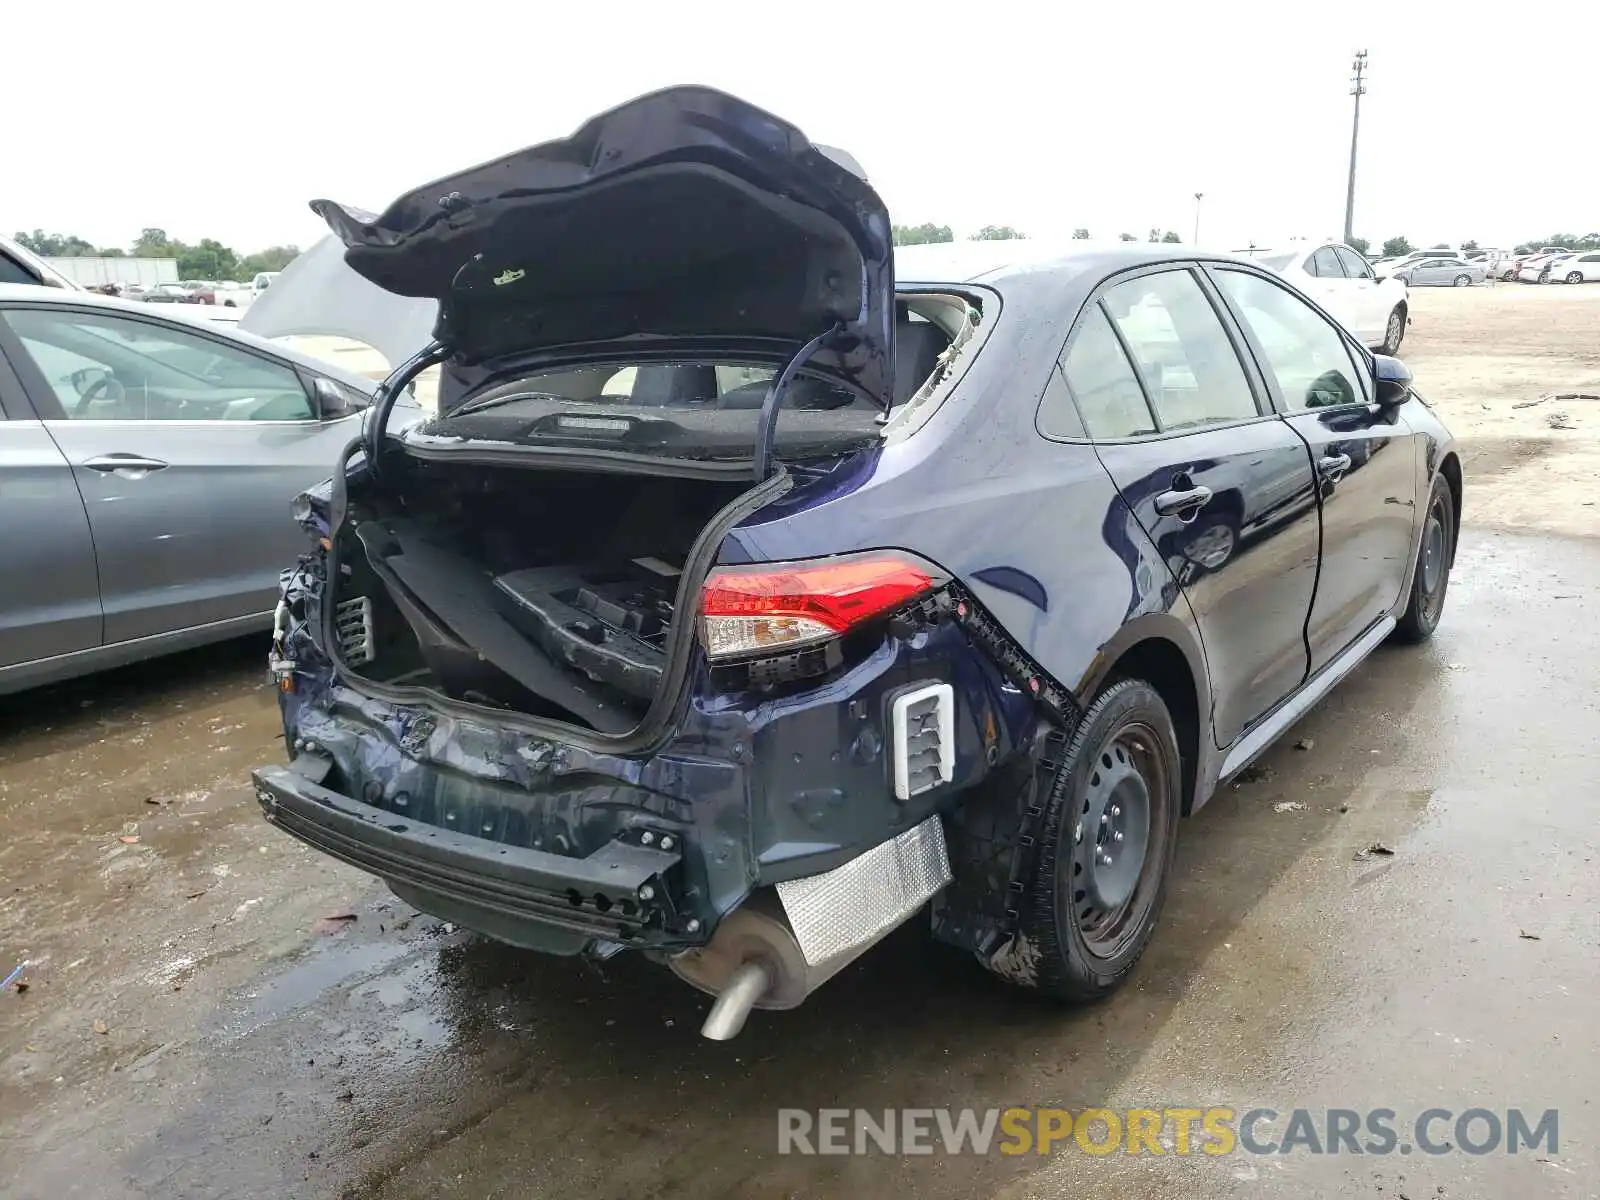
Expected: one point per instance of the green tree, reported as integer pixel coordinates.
(154, 243)
(276, 258)
(1359, 245)
(904, 235)
(1126, 237)
(1155, 235)
(1468, 247)
(55, 245)
(1080, 235)
(1395, 247)
(209, 260)
(996, 233)
(1170, 236)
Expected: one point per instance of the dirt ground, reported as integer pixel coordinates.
(212, 1010)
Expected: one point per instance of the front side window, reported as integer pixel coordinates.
(1307, 355)
(1354, 265)
(103, 367)
(11, 271)
(1184, 355)
(1327, 264)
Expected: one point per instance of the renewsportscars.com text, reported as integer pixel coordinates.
(1214, 1131)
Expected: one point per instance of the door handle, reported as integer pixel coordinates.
(1333, 466)
(1185, 504)
(123, 462)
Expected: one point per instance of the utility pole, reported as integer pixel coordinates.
(1358, 89)
(1198, 196)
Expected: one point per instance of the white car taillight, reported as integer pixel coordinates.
(775, 608)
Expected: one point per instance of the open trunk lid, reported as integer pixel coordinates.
(685, 222)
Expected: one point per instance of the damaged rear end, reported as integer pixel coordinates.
(535, 671)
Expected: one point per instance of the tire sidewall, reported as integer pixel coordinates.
(1066, 954)
(1416, 612)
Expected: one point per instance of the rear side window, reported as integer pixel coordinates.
(1183, 354)
(1102, 382)
(1307, 355)
(1326, 264)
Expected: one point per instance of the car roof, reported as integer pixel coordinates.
(61, 298)
(986, 261)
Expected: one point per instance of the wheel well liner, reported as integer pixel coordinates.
(1162, 665)
(1450, 468)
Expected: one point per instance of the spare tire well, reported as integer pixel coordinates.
(1163, 666)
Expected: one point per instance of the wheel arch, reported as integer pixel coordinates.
(1165, 653)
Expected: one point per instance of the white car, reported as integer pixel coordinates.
(1583, 267)
(18, 264)
(1541, 267)
(1342, 282)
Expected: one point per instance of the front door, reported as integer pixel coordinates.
(1365, 458)
(1221, 486)
(187, 450)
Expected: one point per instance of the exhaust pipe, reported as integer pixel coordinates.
(747, 985)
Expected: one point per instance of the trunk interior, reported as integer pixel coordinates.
(551, 593)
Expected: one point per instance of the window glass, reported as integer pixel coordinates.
(113, 368)
(1188, 365)
(1354, 265)
(1327, 264)
(1103, 383)
(1058, 416)
(1308, 356)
(12, 271)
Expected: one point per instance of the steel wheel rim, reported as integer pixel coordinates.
(1435, 565)
(1122, 826)
(1213, 547)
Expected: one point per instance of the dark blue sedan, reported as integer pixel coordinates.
(758, 587)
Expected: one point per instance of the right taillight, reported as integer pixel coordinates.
(774, 608)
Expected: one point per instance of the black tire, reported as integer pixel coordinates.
(1431, 577)
(1083, 924)
(1574, 276)
(1394, 331)
(1463, 281)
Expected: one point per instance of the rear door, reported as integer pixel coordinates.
(1365, 457)
(49, 595)
(187, 449)
(1222, 486)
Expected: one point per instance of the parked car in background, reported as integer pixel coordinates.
(167, 293)
(1340, 280)
(230, 293)
(150, 458)
(1441, 272)
(18, 264)
(943, 579)
(1537, 268)
(1583, 267)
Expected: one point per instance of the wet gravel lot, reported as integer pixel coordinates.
(213, 1010)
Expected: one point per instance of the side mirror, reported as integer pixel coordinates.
(334, 400)
(1393, 380)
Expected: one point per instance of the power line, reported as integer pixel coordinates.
(1358, 89)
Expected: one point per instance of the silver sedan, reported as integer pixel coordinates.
(1441, 272)
(148, 460)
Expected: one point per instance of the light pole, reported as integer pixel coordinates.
(1198, 196)
(1358, 89)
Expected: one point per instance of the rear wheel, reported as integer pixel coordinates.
(1435, 557)
(1463, 281)
(1574, 276)
(1105, 848)
(1394, 332)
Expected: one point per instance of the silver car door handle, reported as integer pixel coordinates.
(123, 462)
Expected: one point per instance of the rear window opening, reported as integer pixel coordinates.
(706, 408)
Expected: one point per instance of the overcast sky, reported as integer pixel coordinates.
(223, 120)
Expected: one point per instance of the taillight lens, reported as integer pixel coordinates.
(773, 608)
